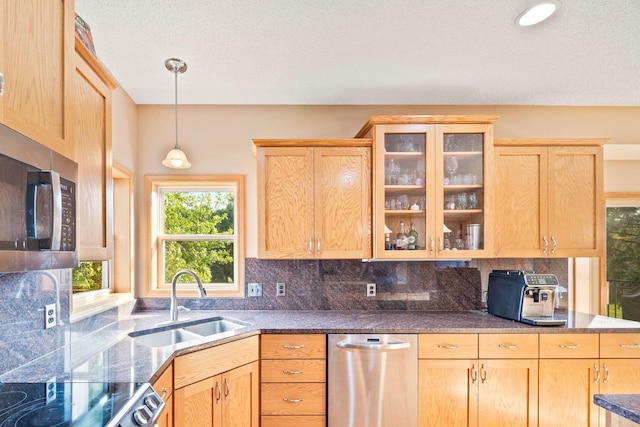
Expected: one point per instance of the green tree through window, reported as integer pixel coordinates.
(199, 232)
(623, 259)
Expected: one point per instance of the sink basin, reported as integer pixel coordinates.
(214, 327)
(166, 337)
(182, 332)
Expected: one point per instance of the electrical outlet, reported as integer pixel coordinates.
(50, 390)
(371, 289)
(280, 289)
(255, 289)
(50, 316)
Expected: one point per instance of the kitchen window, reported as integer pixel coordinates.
(196, 222)
(622, 279)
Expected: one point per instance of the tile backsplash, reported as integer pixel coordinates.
(310, 285)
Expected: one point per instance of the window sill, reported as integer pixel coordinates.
(94, 303)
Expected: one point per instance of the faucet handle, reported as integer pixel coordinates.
(183, 308)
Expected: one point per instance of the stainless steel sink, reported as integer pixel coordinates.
(214, 327)
(182, 332)
(166, 337)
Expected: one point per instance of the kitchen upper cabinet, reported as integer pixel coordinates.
(432, 175)
(549, 198)
(36, 64)
(93, 86)
(314, 199)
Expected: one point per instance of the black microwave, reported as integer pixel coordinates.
(37, 206)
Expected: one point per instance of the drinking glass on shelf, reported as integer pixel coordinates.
(402, 202)
(451, 166)
(391, 172)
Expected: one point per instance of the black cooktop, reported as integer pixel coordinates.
(63, 403)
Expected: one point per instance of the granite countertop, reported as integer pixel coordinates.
(625, 405)
(110, 354)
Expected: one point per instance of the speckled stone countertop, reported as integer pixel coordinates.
(625, 405)
(110, 354)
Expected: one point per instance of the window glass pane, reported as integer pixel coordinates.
(87, 277)
(198, 212)
(212, 261)
(623, 268)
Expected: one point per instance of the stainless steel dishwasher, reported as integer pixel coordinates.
(373, 380)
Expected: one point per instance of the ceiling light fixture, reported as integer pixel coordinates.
(176, 159)
(538, 13)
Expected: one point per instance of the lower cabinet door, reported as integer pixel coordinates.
(566, 393)
(447, 393)
(240, 397)
(508, 393)
(166, 417)
(194, 405)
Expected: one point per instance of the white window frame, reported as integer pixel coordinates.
(155, 186)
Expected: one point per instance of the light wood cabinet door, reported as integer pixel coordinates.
(93, 155)
(566, 392)
(240, 388)
(520, 201)
(166, 417)
(285, 202)
(618, 376)
(197, 403)
(314, 201)
(508, 393)
(342, 202)
(36, 61)
(549, 198)
(447, 393)
(576, 207)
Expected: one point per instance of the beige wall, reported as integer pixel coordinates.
(217, 139)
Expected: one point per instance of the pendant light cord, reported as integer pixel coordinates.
(175, 72)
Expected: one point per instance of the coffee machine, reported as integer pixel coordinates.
(523, 296)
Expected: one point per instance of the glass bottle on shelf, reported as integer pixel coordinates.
(412, 239)
(401, 238)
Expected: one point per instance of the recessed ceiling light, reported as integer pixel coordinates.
(538, 13)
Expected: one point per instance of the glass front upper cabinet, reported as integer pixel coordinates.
(431, 188)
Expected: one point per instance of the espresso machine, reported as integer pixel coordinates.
(523, 296)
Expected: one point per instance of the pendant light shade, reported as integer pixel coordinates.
(176, 159)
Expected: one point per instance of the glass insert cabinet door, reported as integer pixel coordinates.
(430, 185)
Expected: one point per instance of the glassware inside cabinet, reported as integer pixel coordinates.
(463, 177)
(405, 194)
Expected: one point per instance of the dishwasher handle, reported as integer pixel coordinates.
(374, 345)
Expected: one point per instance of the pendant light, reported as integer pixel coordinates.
(176, 159)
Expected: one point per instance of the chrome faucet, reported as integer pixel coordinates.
(173, 309)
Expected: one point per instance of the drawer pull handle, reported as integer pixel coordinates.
(569, 346)
(293, 347)
(448, 346)
(597, 371)
(631, 346)
(292, 372)
(286, 399)
(509, 346)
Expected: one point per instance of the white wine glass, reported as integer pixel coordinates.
(451, 166)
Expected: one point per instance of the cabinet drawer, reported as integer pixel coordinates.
(508, 346)
(293, 398)
(619, 346)
(569, 346)
(448, 346)
(294, 371)
(164, 385)
(293, 421)
(294, 346)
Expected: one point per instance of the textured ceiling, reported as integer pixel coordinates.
(433, 52)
